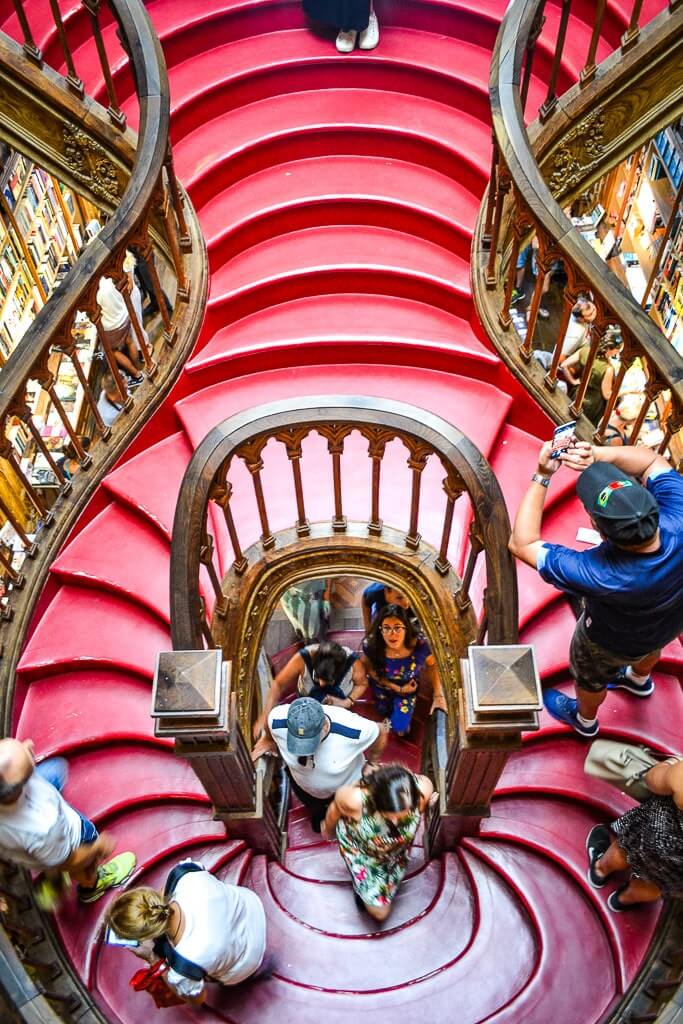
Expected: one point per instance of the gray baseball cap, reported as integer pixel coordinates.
(305, 721)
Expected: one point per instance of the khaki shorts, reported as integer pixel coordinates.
(592, 667)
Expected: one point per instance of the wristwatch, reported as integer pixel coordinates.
(544, 481)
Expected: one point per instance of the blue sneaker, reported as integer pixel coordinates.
(563, 708)
(622, 682)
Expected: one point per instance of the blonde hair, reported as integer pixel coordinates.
(139, 914)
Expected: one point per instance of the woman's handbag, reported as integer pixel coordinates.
(151, 979)
(623, 765)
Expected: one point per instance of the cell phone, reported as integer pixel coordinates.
(112, 939)
(562, 437)
(586, 536)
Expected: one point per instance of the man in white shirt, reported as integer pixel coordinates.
(109, 404)
(40, 831)
(323, 748)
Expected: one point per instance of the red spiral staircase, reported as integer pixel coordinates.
(338, 197)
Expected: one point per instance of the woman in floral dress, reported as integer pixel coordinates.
(396, 658)
(376, 821)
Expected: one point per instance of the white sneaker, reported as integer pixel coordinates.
(369, 37)
(346, 41)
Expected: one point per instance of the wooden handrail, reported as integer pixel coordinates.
(521, 204)
(424, 435)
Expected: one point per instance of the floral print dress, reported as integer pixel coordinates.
(376, 853)
(399, 707)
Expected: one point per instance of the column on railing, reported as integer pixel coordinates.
(75, 83)
(292, 440)
(335, 436)
(250, 453)
(419, 453)
(115, 113)
(377, 438)
(221, 493)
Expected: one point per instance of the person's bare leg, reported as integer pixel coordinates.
(645, 665)
(640, 891)
(588, 703)
(125, 363)
(378, 913)
(613, 859)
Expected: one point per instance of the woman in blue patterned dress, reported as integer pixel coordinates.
(396, 658)
(376, 821)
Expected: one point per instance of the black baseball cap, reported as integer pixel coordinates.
(623, 510)
(305, 721)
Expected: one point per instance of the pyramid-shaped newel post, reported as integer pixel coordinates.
(499, 700)
(192, 702)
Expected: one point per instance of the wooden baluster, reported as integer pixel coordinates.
(71, 351)
(419, 453)
(503, 183)
(14, 575)
(125, 398)
(675, 212)
(335, 435)
(30, 48)
(550, 379)
(534, 33)
(633, 170)
(204, 625)
(114, 111)
(30, 546)
(453, 488)
(589, 68)
(170, 329)
(250, 453)
(292, 439)
(185, 241)
(221, 494)
(183, 292)
(124, 286)
(377, 438)
(491, 196)
(7, 452)
(23, 412)
(597, 333)
(625, 362)
(526, 347)
(484, 623)
(630, 36)
(674, 422)
(206, 558)
(47, 382)
(22, 244)
(462, 595)
(74, 82)
(550, 100)
(652, 389)
(504, 317)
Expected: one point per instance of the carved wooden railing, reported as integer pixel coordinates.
(153, 215)
(232, 611)
(577, 129)
(148, 209)
(583, 128)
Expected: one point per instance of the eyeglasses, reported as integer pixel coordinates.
(388, 630)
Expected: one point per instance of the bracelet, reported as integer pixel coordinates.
(352, 700)
(544, 481)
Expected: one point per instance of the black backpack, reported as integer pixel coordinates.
(163, 947)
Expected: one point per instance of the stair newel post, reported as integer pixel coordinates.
(499, 700)
(193, 702)
(250, 453)
(419, 453)
(292, 440)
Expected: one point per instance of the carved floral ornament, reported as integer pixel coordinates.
(580, 153)
(89, 163)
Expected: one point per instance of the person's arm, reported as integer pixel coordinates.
(428, 794)
(637, 460)
(367, 615)
(280, 686)
(376, 748)
(607, 382)
(347, 803)
(88, 856)
(666, 779)
(430, 674)
(568, 365)
(525, 541)
(359, 677)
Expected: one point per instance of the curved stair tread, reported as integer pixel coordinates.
(559, 832)
(149, 483)
(120, 551)
(209, 147)
(562, 969)
(235, 869)
(320, 862)
(341, 320)
(553, 765)
(653, 721)
(152, 774)
(328, 908)
(550, 632)
(80, 722)
(340, 248)
(119, 635)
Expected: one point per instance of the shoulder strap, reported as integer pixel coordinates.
(305, 656)
(163, 946)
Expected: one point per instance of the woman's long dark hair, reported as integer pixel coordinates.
(392, 789)
(375, 647)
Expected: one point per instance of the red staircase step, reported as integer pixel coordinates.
(80, 722)
(119, 635)
(550, 632)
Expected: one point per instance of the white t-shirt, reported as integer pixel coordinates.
(107, 410)
(575, 336)
(225, 931)
(110, 301)
(338, 761)
(41, 830)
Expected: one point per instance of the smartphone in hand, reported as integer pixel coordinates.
(112, 939)
(562, 438)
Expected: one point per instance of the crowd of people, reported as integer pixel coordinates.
(205, 930)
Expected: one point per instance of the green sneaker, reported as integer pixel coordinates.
(115, 872)
(50, 890)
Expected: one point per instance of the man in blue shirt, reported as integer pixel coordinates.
(631, 584)
(376, 596)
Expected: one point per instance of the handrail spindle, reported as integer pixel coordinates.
(597, 334)
(590, 67)
(115, 113)
(292, 440)
(453, 489)
(30, 48)
(74, 82)
(476, 547)
(550, 378)
(206, 558)
(251, 455)
(30, 546)
(550, 101)
(221, 493)
(630, 36)
(419, 455)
